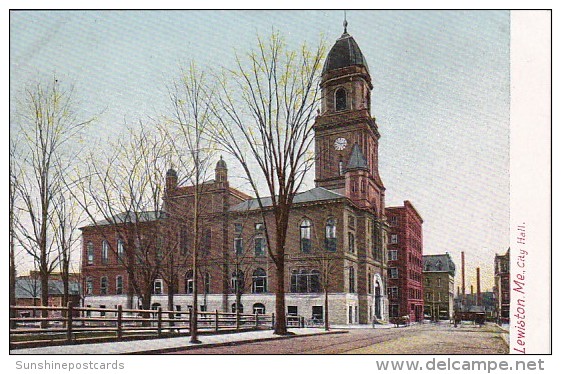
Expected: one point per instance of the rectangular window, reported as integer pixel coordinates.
(438, 282)
(292, 310)
(238, 227)
(317, 313)
(393, 292)
(89, 286)
(394, 310)
(158, 287)
(90, 253)
(393, 273)
(351, 242)
(259, 246)
(393, 239)
(351, 222)
(103, 288)
(392, 255)
(184, 240)
(104, 252)
(207, 241)
(119, 285)
(238, 246)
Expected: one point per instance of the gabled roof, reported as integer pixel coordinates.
(357, 159)
(315, 194)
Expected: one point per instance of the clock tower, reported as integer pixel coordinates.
(346, 136)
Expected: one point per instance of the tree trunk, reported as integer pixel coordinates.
(280, 313)
(326, 309)
(44, 296)
(13, 276)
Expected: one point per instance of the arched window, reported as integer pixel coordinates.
(90, 253)
(331, 235)
(155, 306)
(352, 280)
(104, 252)
(340, 99)
(119, 285)
(234, 308)
(103, 286)
(258, 308)
(238, 281)
(259, 281)
(305, 236)
(120, 250)
(189, 282)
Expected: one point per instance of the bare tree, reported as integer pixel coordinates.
(49, 126)
(68, 217)
(264, 112)
(13, 198)
(121, 195)
(188, 130)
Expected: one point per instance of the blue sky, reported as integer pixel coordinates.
(440, 97)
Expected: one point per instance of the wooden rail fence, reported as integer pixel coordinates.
(70, 321)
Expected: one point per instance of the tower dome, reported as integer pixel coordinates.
(345, 52)
(221, 164)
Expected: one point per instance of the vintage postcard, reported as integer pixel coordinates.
(189, 182)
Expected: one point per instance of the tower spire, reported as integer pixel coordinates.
(345, 23)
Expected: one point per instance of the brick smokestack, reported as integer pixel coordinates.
(478, 302)
(463, 276)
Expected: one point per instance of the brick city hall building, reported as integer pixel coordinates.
(337, 232)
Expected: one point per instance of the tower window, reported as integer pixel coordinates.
(340, 99)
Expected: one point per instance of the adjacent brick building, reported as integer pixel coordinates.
(438, 278)
(502, 285)
(337, 232)
(405, 251)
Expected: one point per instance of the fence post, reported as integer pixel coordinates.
(216, 320)
(256, 320)
(273, 321)
(159, 321)
(69, 322)
(119, 321)
(237, 319)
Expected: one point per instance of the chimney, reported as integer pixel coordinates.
(478, 302)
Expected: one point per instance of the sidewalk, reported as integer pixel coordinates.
(152, 346)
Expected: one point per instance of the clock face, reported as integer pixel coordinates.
(340, 144)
